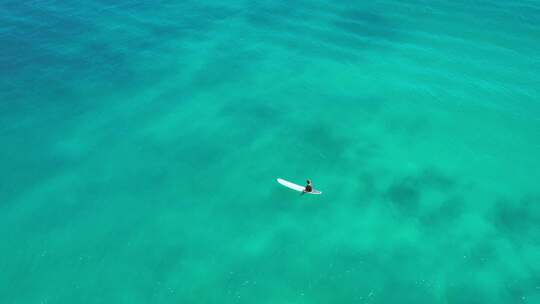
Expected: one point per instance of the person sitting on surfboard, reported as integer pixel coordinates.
(309, 188)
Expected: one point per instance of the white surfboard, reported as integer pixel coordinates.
(296, 187)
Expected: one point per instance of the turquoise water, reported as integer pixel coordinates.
(140, 142)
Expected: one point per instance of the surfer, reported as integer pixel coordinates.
(302, 189)
(309, 188)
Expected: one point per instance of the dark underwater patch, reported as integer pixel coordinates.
(518, 219)
(321, 138)
(405, 195)
(435, 179)
(445, 214)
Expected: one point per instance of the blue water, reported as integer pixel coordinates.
(140, 143)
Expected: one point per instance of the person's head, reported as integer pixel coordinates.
(309, 182)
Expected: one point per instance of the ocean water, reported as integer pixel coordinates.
(140, 142)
